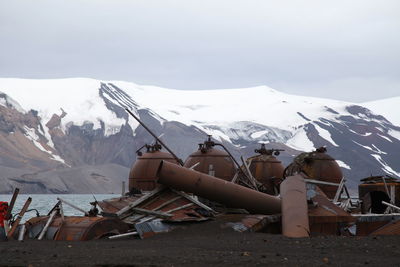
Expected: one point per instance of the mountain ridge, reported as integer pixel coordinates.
(82, 122)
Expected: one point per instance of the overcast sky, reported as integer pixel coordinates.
(347, 50)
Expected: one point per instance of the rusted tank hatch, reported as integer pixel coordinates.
(214, 162)
(266, 168)
(375, 189)
(317, 165)
(143, 172)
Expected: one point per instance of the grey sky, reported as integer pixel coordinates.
(346, 50)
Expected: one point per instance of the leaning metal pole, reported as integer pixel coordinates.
(155, 136)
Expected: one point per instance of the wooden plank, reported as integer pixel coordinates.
(19, 217)
(191, 199)
(311, 181)
(235, 177)
(250, 176)
(12, 203)
(391, 205)
(163, 215)
(140, 200)
(123, 235)
(194, 166)
(135, 218)
(49, 221)
(339, 190)
(181, 207)
(73, 206)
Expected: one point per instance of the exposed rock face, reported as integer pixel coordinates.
(60, 155)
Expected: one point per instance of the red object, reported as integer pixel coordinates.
(3, 212)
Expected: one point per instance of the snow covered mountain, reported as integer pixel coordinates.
(389, 108)
(66, 127)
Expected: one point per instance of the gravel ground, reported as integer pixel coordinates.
(201, 246)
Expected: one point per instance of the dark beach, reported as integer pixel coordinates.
(202, 245)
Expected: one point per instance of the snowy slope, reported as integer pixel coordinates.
(240, 117)
(258, 104)
(205, 109)
(389, 108)
(79, 97)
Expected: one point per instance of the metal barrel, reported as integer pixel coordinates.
(211, 188)
(295, 221)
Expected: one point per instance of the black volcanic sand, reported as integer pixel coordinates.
(200, 246)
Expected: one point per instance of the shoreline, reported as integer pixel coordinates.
(202, 246)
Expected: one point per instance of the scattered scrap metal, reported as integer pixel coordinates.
(307, 198)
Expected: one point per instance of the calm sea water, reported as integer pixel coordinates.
(45, 202)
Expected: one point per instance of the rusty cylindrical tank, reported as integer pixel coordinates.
(209, 160)
(143, 172)
(294, 207)
(266, 168)
(75, 228)
(230, 194)
(317, 165)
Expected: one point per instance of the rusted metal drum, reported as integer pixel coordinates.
(267, 169)
(317, 165)
(375, 189)
(75, 228)
(212, 161)
(143, 172)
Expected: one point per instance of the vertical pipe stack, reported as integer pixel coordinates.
(294, 207)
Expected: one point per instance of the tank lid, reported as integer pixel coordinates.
(264, 151)
(209, 152)
(318, 154)
(207, 145)
(149, 148)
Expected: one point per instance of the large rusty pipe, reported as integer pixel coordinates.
(209, 187)
(294, 207)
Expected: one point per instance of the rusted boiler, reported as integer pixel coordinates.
(266, 168)
(317, 165)
(143, 172)
(375, 189)
(214, 162)
(75, 228)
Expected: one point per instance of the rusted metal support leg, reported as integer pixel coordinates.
(294, 207)
(49, 221)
